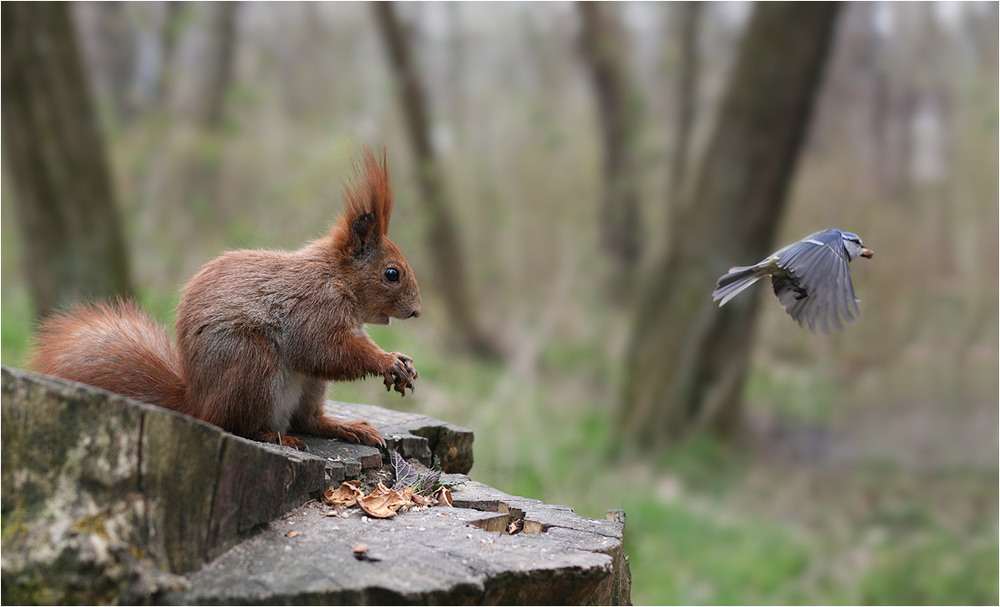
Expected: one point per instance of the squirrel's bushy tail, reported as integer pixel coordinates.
(117, 347)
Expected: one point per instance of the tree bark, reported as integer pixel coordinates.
(70, 228)
(603, 47)
(688, 358)
(443, 242)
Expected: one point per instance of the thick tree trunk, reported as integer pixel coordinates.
(603, 46)
(688, 358)
(443, 242)
(70, 229)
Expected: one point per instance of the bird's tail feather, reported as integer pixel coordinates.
(734, 281)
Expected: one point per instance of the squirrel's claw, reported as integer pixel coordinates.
(355, 431)
(366, 434)
(399, 374)
(276, 438)
(411, 371)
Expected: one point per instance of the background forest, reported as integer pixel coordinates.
(554, 166)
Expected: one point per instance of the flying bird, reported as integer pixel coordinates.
(810, 277)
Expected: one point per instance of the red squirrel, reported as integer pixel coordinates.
(259, 333)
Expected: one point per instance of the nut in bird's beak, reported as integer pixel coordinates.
(866, 252)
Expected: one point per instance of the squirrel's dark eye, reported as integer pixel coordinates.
(392, 274)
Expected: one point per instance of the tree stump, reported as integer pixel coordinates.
(107, 500)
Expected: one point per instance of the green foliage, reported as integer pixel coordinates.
(935, 568)
(17, 319)
(683, 555)
(794, 393)
(706, 464)
(16, 325)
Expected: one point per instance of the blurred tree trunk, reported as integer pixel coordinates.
(108, 54)
(70, 228)
(199, 100)
(688, 358)
(169, 33)
(603, 47)
(443, 241)
(687, 16)
(184, 179)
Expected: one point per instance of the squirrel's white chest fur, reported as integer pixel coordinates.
(288, 396)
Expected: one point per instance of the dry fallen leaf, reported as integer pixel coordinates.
(376, 506)
(383, 505)
(381, 489)
(292, 534)
(407, 494)
(405, 474)
(344, 496)
(384, 502)
(443, 496)
(398, 500)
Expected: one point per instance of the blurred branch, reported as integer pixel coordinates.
(109, 56)
(688, 24)
(604, 47)
(169, 34)
(199, 99)
(443, 240)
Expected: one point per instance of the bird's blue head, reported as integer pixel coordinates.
(853, 246)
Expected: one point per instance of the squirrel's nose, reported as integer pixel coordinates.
(414, 314)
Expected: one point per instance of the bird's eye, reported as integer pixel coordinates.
(391, 274)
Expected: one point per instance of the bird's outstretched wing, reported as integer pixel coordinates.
(813, 283)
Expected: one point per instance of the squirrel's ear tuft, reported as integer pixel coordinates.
(368, 193)
(362, 233)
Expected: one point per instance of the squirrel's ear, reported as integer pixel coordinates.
(362, 232)
(367, 205)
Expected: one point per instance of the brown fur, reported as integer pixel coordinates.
(259, 333)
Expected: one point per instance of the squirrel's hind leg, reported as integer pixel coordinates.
(354, 431)
(310, 418)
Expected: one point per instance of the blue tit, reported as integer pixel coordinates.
(810, 277)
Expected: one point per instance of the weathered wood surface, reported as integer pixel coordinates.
(411, 435)
(440, 555)
(97, 485)
(106, 500)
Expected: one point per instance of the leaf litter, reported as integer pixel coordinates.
(411, 489)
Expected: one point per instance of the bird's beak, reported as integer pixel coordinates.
(865, 252)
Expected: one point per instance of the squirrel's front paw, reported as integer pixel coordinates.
(399, 373)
